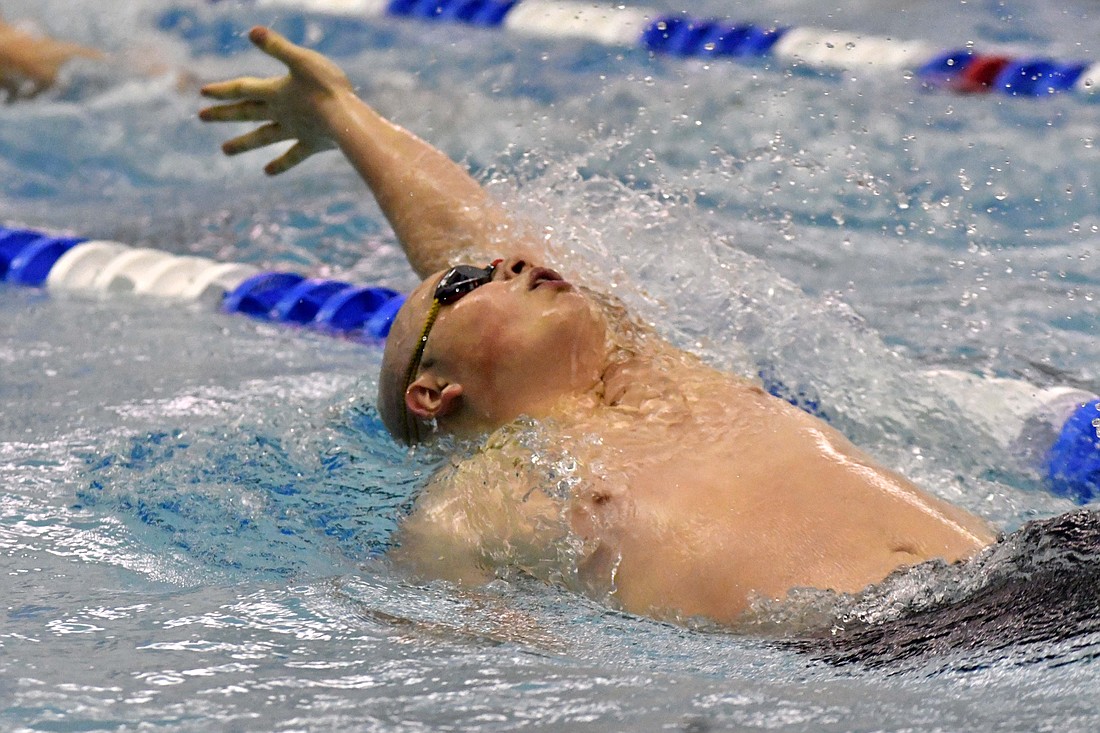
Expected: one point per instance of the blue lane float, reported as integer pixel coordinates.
(483, 13)
(708, 38)
(1055, 430)
(258, 295)
(360, 307)
(1073, 464)
(301, 302)
(26, 256)
(681, 35)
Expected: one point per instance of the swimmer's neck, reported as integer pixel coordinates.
(660, 385)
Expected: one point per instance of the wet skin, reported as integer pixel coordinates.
(695, 491)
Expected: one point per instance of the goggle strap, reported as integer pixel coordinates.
(414, 367)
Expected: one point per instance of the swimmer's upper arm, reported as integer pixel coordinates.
(443, 538)
(435, 207)
(477, 516)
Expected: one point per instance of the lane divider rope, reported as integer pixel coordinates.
(679, 34)
(36, 259)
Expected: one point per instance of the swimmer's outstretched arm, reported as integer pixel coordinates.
(434, 206)
(30, 64)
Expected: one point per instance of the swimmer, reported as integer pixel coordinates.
(30, 64)
(599, 455)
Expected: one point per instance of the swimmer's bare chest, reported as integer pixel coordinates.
(691, 503)
(751, 497)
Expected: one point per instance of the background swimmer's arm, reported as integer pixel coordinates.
(434, 206)
(30, 64)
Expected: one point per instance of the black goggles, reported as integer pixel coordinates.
(455, 283)
(463, 279)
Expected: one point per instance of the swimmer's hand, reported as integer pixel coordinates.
(30, 64)
(292, 106)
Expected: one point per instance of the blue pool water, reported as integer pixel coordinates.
(195, 507)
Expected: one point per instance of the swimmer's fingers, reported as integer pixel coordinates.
(275, 45)
(289, 159)
(261, 137)
(304, 63)
(244, 87)
(250, 110)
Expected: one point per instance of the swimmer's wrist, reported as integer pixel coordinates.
(330, 107)
(343, 113)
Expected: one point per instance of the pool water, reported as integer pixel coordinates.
(196, 506)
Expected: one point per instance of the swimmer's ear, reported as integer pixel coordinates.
(429, 397)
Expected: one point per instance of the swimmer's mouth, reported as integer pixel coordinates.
(544, 276)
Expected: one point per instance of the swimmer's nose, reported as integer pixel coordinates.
(512, 268)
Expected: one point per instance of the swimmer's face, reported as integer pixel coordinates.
(511, 346)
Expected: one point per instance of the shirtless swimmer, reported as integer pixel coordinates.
(529, 366)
